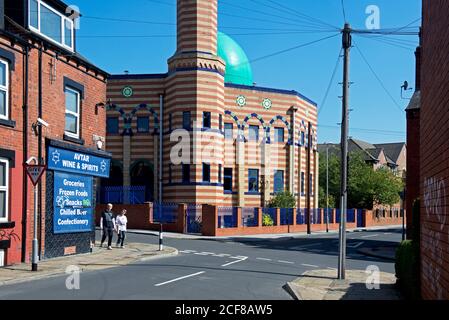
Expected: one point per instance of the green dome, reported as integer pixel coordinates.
(238, 68)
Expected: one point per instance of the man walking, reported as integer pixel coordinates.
(107, 225)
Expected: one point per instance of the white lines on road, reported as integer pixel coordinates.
(264, 259)
(309, 265)
(286, 262)
(202, 254)
(221, 255)
(387, 233)
(356, 245)
(180, 278)
(370, 236)
(236, 261)
(187, 251)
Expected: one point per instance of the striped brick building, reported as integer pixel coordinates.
(245, 143)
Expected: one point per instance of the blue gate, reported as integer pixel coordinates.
(194, 218)
(359, 218)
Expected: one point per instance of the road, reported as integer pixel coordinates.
(237, 269)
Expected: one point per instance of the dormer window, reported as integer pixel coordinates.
(50, 24)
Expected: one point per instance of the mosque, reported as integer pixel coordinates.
(204, 133)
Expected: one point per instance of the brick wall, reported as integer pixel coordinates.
(434, 146)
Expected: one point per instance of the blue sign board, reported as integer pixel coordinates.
(78, 162)
(72, 203)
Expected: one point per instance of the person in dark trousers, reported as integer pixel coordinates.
(107, 225)
(121, 221)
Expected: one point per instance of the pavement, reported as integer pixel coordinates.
(99, 259)
(235, 268)
(323, 285)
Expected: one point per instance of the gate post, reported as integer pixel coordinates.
(182, 218)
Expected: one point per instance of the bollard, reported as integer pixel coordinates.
(161, 246)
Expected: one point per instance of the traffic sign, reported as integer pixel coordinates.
(35, 172)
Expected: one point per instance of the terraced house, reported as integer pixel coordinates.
(244, 142)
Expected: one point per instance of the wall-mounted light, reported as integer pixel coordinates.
(39, 123)
(99, 141)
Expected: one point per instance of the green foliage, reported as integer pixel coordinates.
(366, 186)
(283, 200)
(407, 269)
(267, 221)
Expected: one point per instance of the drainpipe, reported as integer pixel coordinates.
(39, 152)
(309, 146)
(161, 135)
(25, 153)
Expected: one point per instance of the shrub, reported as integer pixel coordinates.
(283, 200)
(407, 269)
(267, 221)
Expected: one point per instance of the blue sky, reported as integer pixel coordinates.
(116, 45)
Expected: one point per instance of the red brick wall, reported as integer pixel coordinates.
(434, 148)
(412, 180)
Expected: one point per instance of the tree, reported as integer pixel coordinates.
(366, 186)
(283, 200)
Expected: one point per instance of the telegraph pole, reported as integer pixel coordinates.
(347, 41)
(327, 188)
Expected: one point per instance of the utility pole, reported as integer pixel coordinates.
(347, 40)
(327, 188)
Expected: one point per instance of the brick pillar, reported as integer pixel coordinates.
(182, 218)
(210, 215)
(295, 211)
(239, 218)
(259, 217)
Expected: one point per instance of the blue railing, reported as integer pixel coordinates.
(250, 217)
(165, 212)
(300, 216)
(123, 195)
(271, 212)
(227, 217)
(286, 216)
(350, 215)
(328, 211)
(194, 218)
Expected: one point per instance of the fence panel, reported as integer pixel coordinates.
(123, 195)
(328, 212)
(227, 217)
(250, 217)
(165, 212)
(359, 218)
(286, 216)
(350, 215)
(271, 212)
(300, 216)
(194, 218)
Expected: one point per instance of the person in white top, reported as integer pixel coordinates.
(121, 221)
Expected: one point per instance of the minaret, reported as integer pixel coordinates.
(196, 84)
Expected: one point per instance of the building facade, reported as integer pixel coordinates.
(224, 140)
(50, 109)
(434, 146)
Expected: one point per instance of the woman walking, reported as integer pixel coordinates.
(121, 221)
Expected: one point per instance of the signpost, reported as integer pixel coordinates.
(34, 172)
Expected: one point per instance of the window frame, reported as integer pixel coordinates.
(185, 170)
(303, 184)
(206, 172)
(147, 118)
(232, 130)
(118, 125)
(184, 113)
(64, 19)
(77, 115)
(276, 129)
(225, 176)
(257, 181)
(207, 116)
(283, 181)
(5, 189)
(5, 88)
(220, 174)
(257, 133)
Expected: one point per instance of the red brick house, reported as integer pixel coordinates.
(434, 146)
(42, 76)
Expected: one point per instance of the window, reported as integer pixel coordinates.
(253, 133)
(50, 23)
(4, 89)
(219, 173)
(302, 138)
(112, 125)
(206, 120)
(279, 135)
(220, 122)
(4, 186)
(278, 181)
(206, 172)
(253, 180)
(143, 124)
(228, 127)
(186, 120)
(228, 179)
(303, 190)
(186, 173)
(72, 112)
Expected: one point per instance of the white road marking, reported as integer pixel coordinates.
(358, 244)
(187, 251)
(387, 233)
(180, 278)
(201, 254)
(309, 265)
(222, 255)
(263, 259)
(370, 236)
(332, 268)
(288, 262)
(207, 253)
(236, 261)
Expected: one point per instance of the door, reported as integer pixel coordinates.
(2, 258)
